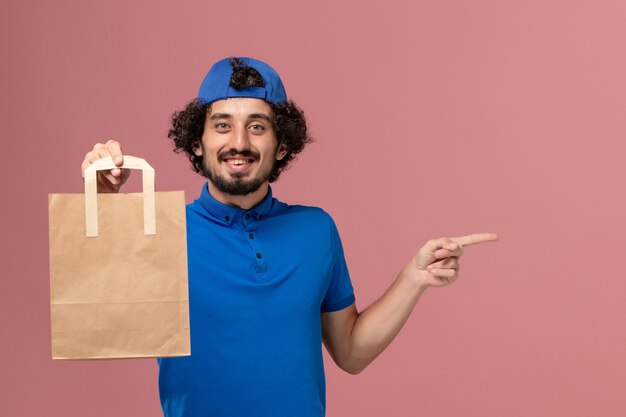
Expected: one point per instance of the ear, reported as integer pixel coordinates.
(197, 149)
(282, 151)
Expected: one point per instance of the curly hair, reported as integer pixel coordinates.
(288, 121)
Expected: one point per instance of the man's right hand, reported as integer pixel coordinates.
(108, 181)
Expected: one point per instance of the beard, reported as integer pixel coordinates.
(237, 184)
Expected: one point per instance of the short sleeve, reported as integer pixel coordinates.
(340, 293)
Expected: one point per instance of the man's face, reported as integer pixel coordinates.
(239, 145)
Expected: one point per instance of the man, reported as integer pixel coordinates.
(268, 281)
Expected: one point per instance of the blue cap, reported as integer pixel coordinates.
(216, 84)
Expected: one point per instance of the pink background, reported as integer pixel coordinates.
(432, 118)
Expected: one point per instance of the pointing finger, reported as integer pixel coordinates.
(475, 239)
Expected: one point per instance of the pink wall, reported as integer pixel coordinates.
(432, 118)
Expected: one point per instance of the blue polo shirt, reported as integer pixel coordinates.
(258, 281)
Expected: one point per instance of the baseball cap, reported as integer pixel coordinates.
(216, 84)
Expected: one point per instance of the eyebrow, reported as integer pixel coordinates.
(262, 116)
(220, 116)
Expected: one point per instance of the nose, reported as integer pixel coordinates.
(240, 139)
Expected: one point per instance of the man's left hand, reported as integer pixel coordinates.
(437, 262)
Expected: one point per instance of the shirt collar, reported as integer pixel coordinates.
(227, 214)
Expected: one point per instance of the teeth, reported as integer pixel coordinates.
(238, 161)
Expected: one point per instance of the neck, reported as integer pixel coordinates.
(241, 201)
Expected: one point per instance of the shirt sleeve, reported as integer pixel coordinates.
(340, 293)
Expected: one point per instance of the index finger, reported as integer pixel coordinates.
(475, 238)
(115, 149)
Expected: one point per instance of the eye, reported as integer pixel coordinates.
(257, 128)
(222, 126)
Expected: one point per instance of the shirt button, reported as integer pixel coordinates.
(258, 255)
(251, 236)
(247, 216)
(227, 218)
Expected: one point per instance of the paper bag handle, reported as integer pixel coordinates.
(91, 190)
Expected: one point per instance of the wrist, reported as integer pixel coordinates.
(413, 279)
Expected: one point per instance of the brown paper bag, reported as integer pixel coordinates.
(118, 271)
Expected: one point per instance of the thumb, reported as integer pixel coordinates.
(426, 255)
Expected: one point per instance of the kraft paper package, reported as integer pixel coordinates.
(118, 271)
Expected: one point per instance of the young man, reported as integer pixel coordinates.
(268, 282)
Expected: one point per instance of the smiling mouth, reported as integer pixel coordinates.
(238, 164)
(238, 161)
